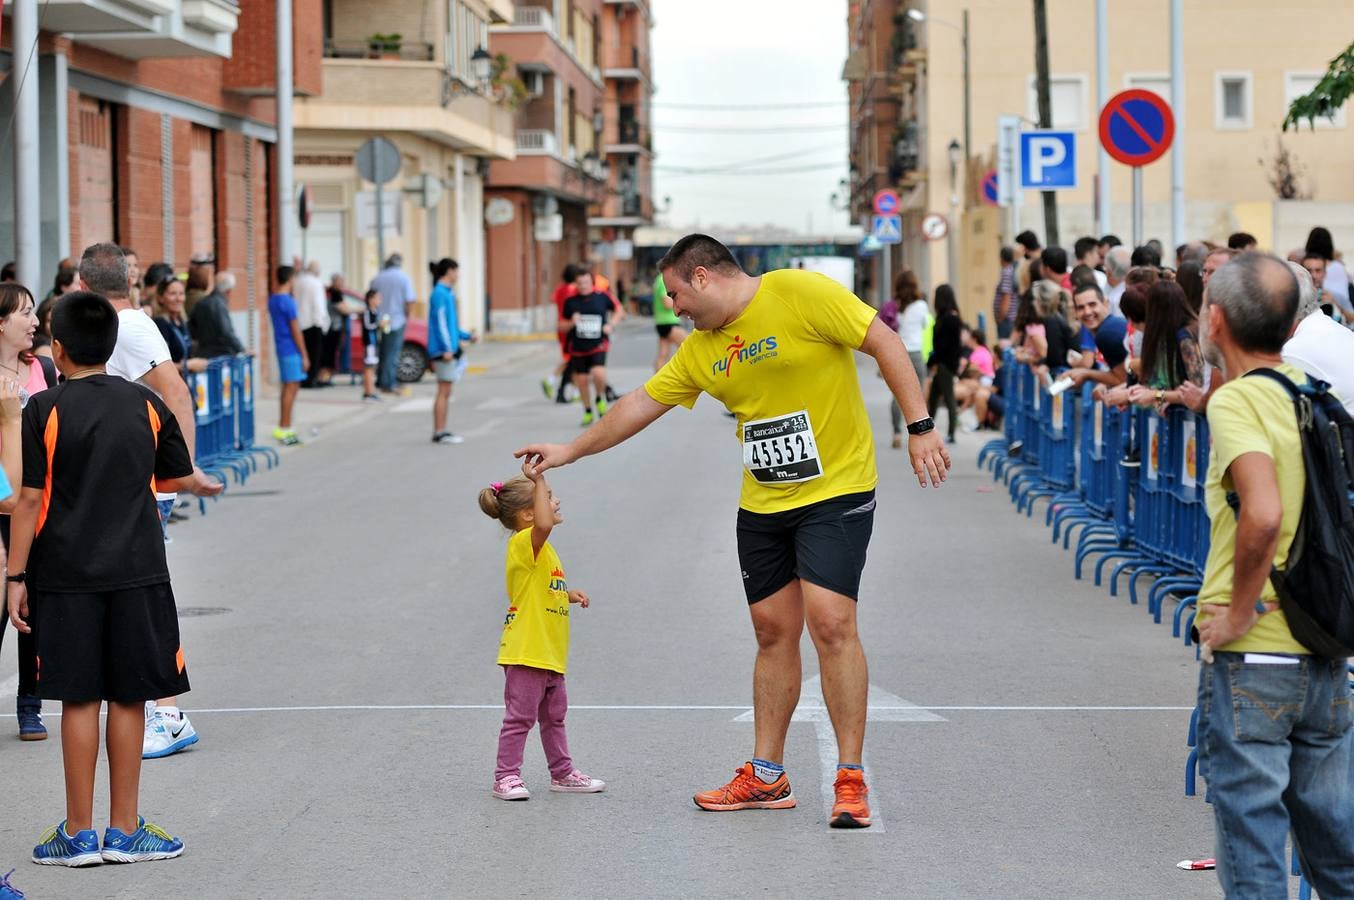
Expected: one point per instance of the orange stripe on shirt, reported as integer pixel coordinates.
(49, 442)
(155, 435)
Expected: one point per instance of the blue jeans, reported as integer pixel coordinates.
(166, 509)
(391, 344)
(1275, 746)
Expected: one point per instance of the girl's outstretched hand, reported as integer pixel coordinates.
(580, 598)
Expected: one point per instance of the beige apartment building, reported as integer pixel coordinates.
(405, 70)
(1244, 60)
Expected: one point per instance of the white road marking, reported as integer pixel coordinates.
(881, 706)
(497, 403)
(9, 686)
(481, 430)
(417, 405)
(908, 708)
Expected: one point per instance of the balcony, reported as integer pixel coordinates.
(409, 51)
(631, 139)
(534, 41)
(416, 97)
(639, 5)
(147, 29)
(536, 142)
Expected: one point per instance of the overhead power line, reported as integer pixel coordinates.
(779, 157)
(806, 128)
(718, 107)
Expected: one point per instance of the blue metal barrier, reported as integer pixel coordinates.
(244, 412)
(223, 400)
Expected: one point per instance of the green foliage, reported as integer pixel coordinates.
(385, 43)
(511, 89)
(1330, 93)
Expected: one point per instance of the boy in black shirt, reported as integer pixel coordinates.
(86, 537)
(587, 321)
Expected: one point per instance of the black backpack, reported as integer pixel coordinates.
(1316, 584)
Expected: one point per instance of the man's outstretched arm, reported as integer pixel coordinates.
(629, 416)
(930, 459)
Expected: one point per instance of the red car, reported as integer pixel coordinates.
(413, 361)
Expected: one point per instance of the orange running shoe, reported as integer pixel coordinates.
(851, 809)
(747, 791)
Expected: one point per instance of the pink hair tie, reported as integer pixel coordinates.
(497, 486)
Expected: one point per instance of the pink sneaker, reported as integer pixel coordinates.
(510, 787)
(577, 783)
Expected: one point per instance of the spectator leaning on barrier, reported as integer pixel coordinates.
(1319, 346)
(1170, 349)
(1103, 351)
(1274, 719)
(209, 322)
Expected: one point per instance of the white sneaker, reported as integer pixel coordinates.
(166, 735)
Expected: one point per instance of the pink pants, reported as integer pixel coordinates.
(530, 696)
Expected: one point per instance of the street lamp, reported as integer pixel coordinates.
(480, 63)
(956, 155)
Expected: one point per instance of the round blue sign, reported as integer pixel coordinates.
(990, 188)
(1136, 127)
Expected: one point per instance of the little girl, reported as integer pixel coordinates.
(535, 645)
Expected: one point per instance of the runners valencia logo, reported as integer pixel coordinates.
(743, 351)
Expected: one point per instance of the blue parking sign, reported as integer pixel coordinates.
(1048, 160)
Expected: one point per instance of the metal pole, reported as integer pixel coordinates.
(885, 273)
(968, 101)
(380, 229)
(1178, 107)
(27, 174)
(285, 151)
(1137, 206)
(1103, 198)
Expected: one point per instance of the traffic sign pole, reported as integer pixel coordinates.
(1137, 206)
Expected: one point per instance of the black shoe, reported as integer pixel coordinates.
(611, 395)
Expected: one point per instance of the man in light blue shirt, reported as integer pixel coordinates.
(397, 292)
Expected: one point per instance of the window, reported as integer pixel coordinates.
(1067, 96)
(1157, 83)
(1295, 84)
(465, 32)
(1233, 100)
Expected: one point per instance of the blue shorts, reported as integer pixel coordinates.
(289, 368)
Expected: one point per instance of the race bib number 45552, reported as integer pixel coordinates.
(782, 449)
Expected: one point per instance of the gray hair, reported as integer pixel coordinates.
(1306, 292)
(1258, 296)
(225, 282)
(103, 269)
(313, 267)
(1117, 262)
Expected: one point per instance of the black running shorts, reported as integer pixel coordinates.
(664, 330)
(581, 365)
(121, 646)
(823, 544)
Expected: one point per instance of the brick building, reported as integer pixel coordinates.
(627, 109)
(404, 70)
(538, 203)
(157, 131)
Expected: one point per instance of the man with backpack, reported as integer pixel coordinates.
(1274, 697)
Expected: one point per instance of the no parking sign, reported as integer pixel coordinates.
(1136, 127)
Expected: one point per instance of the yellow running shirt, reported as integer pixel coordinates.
(786, 368)
(1252, 415)
(536, 628)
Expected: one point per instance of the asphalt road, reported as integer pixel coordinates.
(1027, 735)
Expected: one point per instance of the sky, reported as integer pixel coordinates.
(724, 68)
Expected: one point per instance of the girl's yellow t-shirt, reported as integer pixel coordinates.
(536, 627)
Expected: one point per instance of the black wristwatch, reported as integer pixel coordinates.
(922, 426)
(17, 577)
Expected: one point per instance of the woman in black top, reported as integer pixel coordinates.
(170, 297)
(945, 352)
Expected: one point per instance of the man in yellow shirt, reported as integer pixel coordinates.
(778, 352)
(1274, 719)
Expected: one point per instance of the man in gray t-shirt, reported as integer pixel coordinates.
(397, 293)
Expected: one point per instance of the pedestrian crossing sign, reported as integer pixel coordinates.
(887, 229)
